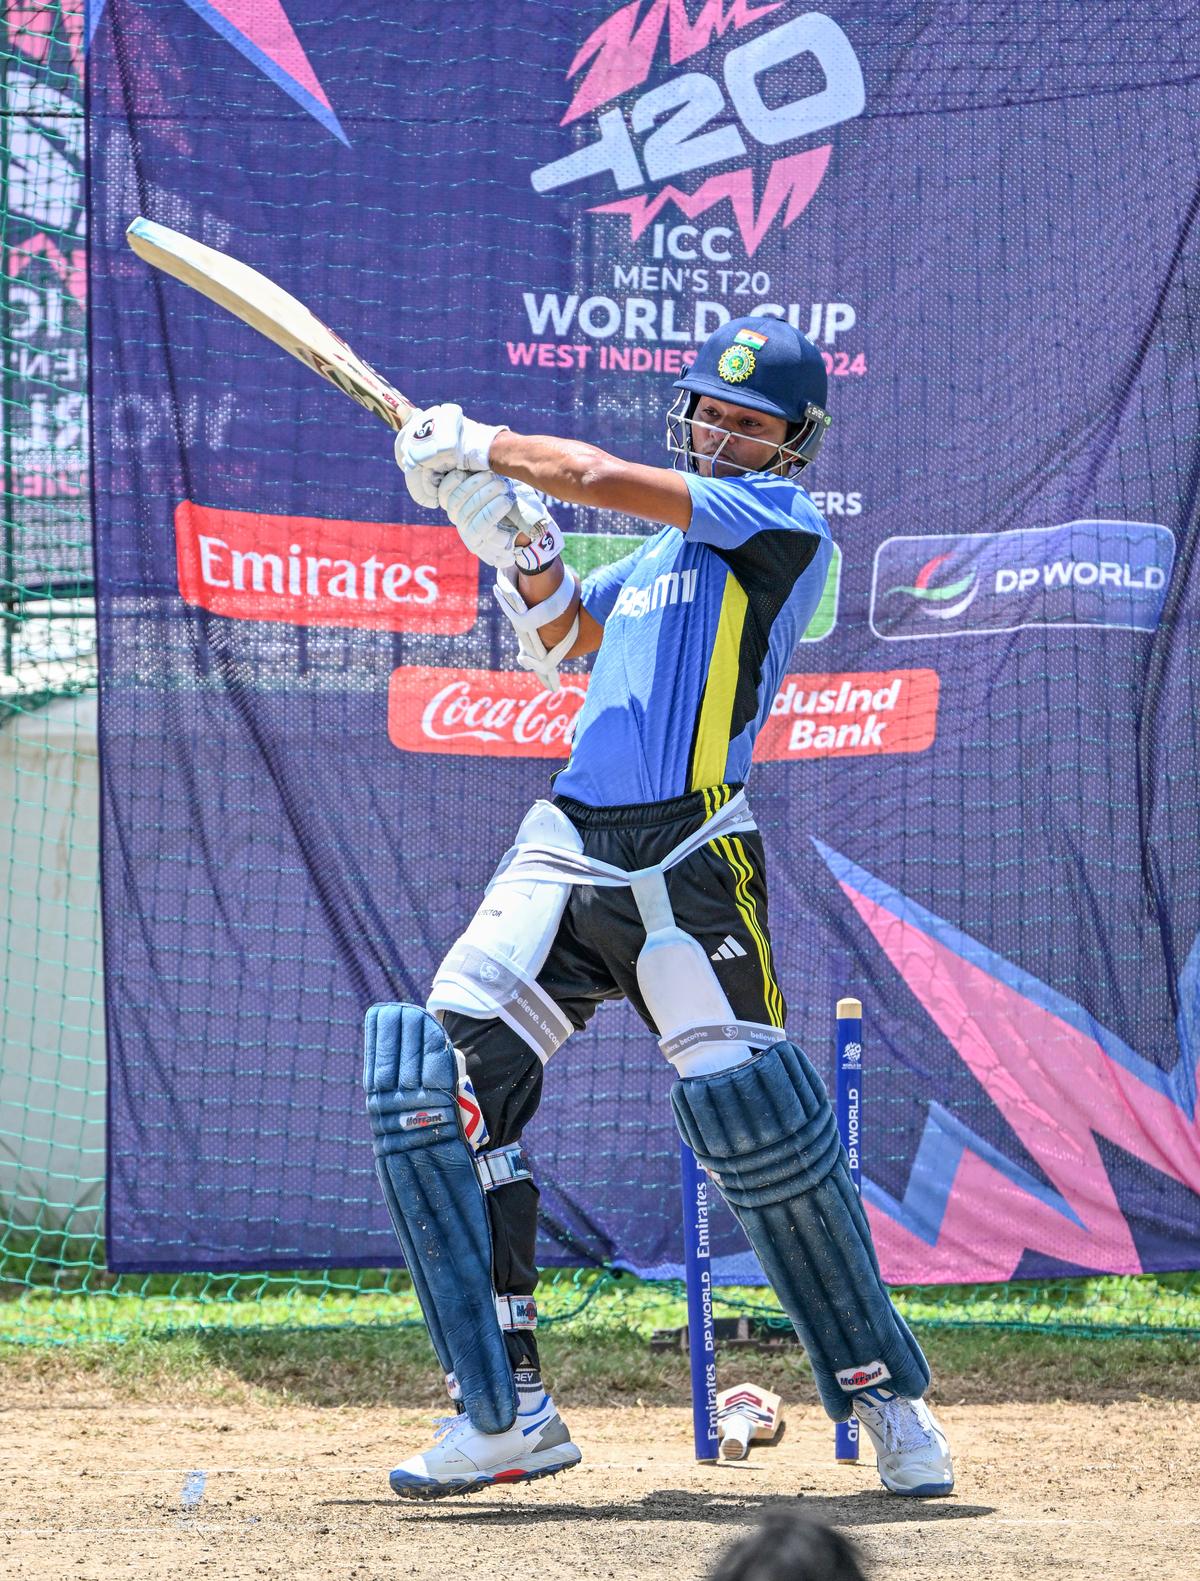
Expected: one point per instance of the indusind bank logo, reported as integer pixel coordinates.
(745, 125)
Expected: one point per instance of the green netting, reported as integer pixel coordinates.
(51, 1024)
(53, 1283)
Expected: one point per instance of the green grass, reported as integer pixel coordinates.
(355, 1337)
(594, 1361)
(1105, 1306)
(54, 1291)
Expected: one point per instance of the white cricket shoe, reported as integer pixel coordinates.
(911, 1451)
(463, 1459)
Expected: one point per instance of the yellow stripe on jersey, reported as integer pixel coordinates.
(736, 855)
(716, 708)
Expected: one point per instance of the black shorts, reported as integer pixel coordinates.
(718, 895)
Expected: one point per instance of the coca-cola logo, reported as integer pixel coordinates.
(482, 713)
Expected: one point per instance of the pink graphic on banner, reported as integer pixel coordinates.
(1057, 1076)
(264, 24)
(70, 268)
(32, 28)
(260, 30)
(624, 48)
(792, 181)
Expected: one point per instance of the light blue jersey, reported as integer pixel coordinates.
(698, 628)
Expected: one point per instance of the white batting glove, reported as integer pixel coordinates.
(443, 440)
(423, 484)
(489, 511)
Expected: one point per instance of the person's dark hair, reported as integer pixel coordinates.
(789, 1547)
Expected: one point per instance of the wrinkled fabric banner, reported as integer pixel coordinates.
(978, 784)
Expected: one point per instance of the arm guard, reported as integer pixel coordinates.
(526, 619)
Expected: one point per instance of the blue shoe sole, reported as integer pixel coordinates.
(927, 1490)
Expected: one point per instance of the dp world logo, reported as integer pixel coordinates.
(732, 127)
(1085, 573)
(941, 593)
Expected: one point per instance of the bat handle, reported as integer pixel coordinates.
(530, 518)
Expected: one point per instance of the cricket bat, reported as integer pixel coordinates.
(747, 1415)
(270, 310)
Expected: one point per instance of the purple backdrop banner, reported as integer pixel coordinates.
(978, 785)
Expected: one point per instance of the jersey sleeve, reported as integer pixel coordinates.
(603, 585)
(728, 512)
(765, 528)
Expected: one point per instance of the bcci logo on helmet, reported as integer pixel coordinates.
(736, 364)
(715, 122)
(766, 366)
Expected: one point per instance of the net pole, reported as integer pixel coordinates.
(702, 1350)
(848, 1105)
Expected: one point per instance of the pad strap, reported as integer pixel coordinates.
(516, 998)
(756, 1033)
(502, 1166)
(470, 1112)
(516, 1312)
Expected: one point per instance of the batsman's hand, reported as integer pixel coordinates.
(502, 522)
(438, 441)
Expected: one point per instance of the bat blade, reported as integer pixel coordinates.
(270, 310)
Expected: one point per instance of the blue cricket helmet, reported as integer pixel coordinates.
(762, 363)
(765, 364)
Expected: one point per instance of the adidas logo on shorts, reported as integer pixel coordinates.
(729, 950)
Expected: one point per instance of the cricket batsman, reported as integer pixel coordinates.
(642, 876)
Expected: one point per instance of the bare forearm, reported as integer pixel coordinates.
(563, 467)
(583, 474)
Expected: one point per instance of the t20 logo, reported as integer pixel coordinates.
(693, 121)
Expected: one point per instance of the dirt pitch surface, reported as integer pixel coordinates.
(293, 1492)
